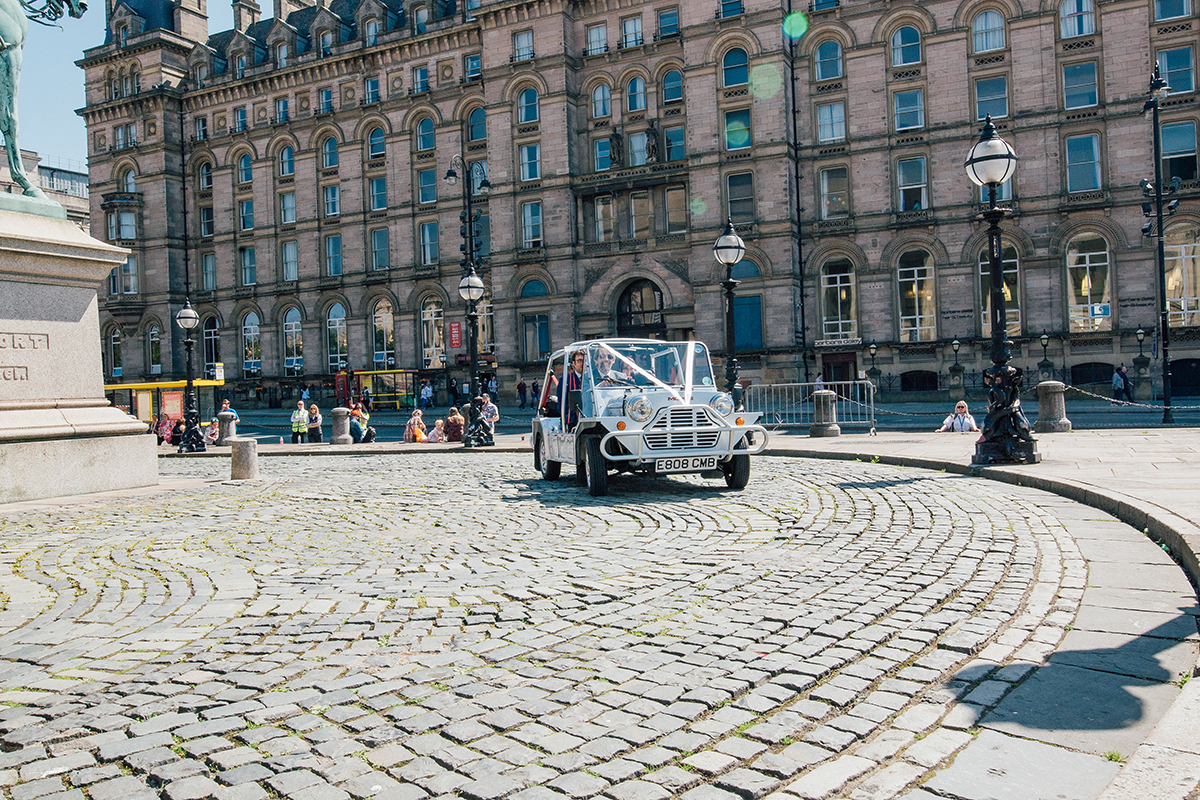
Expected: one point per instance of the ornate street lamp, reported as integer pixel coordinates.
(471, 289)
(728, 250)
(954, 346)
(873, 349)
(1006, 437)
(1141, 337)
(1045, 340)
(1158, 91)
(192, 440)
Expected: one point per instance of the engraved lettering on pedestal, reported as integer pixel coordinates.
(14, 373)
(24, 341)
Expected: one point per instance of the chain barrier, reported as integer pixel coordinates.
(1150, 406)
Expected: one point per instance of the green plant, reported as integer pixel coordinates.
(974, 731)
(1113, 755)
(1183, 679)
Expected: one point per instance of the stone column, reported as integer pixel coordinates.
(958, 387)
(228, 428)
(243, 465)
(1052, 408)
(340, 433)
(824, 414)
(1143, 384)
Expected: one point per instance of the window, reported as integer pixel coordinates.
(421, 18)
(291, 262)
(429, 243)
(740, 193)
(1083, 163)
(639, 215)
(1181, 248)
(329, 153)
(831, 122)
(114, 352)
(631, 32)
(672, 87)
(991, 97)
(201, 75)
(212, 346)
(1012, 289)
(537, 336)
(380, 258)
(839, 309)
(251, 346)
(602, 154)
(477, 126)
(534, 288)
(914, 277)
(425, 135)
(124, 279)
(829, 60)
(1179, 151)
(201, 128)
(325, 101)
(635, 95)
(1089, 302)
(287, 208)
(287, 161)
(1003, 192)
(239, 119)
(333, 200)
(122, 225)
(1175, 66)
(1076, 18)
(911, 182)
(603, 218)
(427, 186)
(371, 32)
(281, 109)
(246, 214)
(737, 129)
(523, 46)
(747, 323)
(204, 175)
(531, 225)
(474, 68)
(637, 149)
(668, 22)
(245, 169)
(639, 311)
(249, 274)
(375, 144)
(478, 170)
(601, 105)
(597, 39)
(483, 233)
(1170, 9)
(675, 144)
(910, 109)
(325, 43)
(371, 90)
(988, 31)
(735, 68)
(384, 335)
(239, 66)
(128, 181)
(333, 255)
(676, 210)
(378, 194)
(293, 343)
(154, 345)
(433, 345)
(906, 46)
(420, 79)
(1079, 85)
(206, 221)
(731, 8)
(527, 106)
(835, 193)
(208, 272)
(337, 343)
(531, 162)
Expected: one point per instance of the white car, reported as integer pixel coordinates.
(640, 405)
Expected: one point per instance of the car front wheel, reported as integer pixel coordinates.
(596, 468)
(737, 468)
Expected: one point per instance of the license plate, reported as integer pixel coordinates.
(685, 464)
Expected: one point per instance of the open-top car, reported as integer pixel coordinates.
(640, 405)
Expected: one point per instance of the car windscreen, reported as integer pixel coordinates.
(645, 364)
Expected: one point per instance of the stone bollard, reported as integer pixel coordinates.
(824, 414)
(341, 427)
(228, 428)
(244, 463)
(1052, 408)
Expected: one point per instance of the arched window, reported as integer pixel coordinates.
(735, 69)
(201, 75)
(375, 146)
(534, 288)
(987, 30)
(672, 86)
(128, 181)
(329, 153)
(839, 301)
(477, 125)
(251, 346)
(425, 137)
(287, 161)
(114, 352)
(1182, 251)
(154, 348)
(829, 60)
(245, 169)
(1076, 18)
(433, 343)
(371, 31)
(1012, 289)
(601, 101)
(527, 106)
(635, 95)
(906, 46)
(639, 311)
(293, 343)
(914, 279)
(1088, 285)
(204, 175)
(384, 335)
(281, 54)
(337, 345)
(745, 269)
(212, 346)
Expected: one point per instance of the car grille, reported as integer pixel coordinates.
(682, 429)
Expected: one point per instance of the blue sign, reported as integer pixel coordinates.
(1101, 310)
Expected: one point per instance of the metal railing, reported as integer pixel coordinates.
(791, 404)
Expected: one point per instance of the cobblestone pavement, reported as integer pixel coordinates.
(407, 627)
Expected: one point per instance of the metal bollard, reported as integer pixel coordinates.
(227, 432)
(1052, 408)
(243, 466)
(824, 414)
(341, 427)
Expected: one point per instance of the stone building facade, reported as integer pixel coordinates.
(288, 176)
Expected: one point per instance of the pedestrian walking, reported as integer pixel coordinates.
(492, 386)
(314, 424)
(535, 394)
(1118, 386)
(426, 394)
(299, 423)
(1126, 384)
(366, 399)
(521, 392)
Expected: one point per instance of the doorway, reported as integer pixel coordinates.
(839, 367)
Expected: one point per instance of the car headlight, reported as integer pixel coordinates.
(639, 409)
(722, 404)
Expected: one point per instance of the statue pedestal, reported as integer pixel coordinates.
(58, 433)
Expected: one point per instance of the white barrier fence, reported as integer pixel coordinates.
(791, 404)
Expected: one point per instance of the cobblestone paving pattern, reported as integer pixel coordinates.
(446, 626)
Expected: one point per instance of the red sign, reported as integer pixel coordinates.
(456, 334)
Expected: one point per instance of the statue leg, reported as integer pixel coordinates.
(10, 76)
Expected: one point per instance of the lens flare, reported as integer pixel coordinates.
(698, 207)
(737, 135)
(795, 25)
(765, 81)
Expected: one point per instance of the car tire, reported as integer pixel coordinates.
(596, 468)
(550, 469)
(737, 468)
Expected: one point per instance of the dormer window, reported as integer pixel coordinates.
(281, 55)
(239, 69)
(123, 35)
(421, 18)
(326, 40)
(201, 75)
(371, 27)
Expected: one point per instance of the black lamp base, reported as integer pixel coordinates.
(1016, 451)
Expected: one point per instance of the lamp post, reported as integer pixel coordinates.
(192, 440)
(470, 288)
(1045, 340)
(1006, 437)
(1141, 337)
(873, 349)
(954, 346)
(728, 250)
(1159, 90)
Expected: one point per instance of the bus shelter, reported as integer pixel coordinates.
(144, 400)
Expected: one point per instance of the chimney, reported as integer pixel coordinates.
(283, 8)
(245, 14)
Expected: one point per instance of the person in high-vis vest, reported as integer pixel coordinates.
(299, 423)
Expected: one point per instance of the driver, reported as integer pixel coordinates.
(606, 375)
